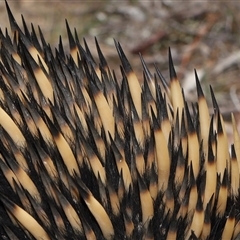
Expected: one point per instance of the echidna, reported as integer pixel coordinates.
(87, 155)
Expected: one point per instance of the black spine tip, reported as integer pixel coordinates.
(172, 71)
(211, 157)
(125, 63)
(12, 20)
(190, 125)
(146, 71)
(214, 101)
(233, 152)
(199, 88)
(100, 54)
(225, 178)
(219, 126)
(199, 206)
(71, 40)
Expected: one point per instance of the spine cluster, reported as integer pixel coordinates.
(87, 155)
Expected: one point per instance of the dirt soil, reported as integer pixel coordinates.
(202, 34)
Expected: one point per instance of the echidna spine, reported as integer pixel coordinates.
(87, 155)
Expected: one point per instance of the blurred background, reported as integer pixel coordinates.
(202, 34)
